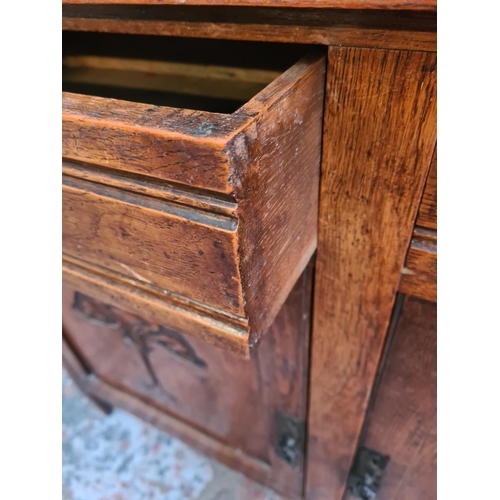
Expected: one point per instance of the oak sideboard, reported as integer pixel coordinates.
(250, 232)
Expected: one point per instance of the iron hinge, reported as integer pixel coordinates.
(366, 474)
(289, 445)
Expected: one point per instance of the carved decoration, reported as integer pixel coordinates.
(143, 335)
(95, 312)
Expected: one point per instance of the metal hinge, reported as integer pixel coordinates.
(366, 473)
(289, 444)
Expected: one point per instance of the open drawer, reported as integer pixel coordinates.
(191, 200)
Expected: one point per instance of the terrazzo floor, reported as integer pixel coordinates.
(119, 457)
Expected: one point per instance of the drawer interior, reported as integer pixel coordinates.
(207, 75)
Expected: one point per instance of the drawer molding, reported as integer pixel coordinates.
(204, 200)
(419, 274)
(233, 198)
(177, 312)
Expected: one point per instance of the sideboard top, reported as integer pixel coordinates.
(429, 5)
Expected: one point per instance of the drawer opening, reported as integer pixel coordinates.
(206, 75)
(141, 228)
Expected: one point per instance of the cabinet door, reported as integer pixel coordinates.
(402, 420)
(247, 413)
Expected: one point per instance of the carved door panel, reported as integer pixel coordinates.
(256, 406)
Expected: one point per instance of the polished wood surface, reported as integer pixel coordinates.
(427, 213)
(154, 242)
(213, 214)
(218, 402)
(376, 29)
(324, 4)
(402, 422)
(419, 274)
(422, 257)
(178, 145)
(379, 132)
(419, 285)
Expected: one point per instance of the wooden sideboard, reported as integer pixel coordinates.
(250, 232)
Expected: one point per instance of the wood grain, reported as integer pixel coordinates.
(155, 188)
(255, 171)
(408, 30)
(187, 252)
(419, 285)
(419, 274)
(286, 383)
(177, 145)
(278, 155)
(422, 257)
(402, 423)
(179, 313)
(225, 406)
(210, 72)
(379, 136)
(427, 213)
(325, 4)
(221, 82)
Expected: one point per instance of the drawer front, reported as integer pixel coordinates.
(169, 144)
(193, 217)
(187, 252)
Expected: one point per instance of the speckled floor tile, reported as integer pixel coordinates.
(119, 457)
